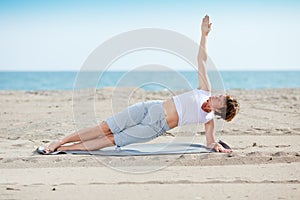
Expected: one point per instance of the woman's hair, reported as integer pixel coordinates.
(230, 109)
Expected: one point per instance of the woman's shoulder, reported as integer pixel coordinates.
(205, 92)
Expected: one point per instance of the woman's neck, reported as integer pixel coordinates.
(205, 107)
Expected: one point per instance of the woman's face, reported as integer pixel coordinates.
(216, 102)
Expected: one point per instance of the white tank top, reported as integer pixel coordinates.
(188, 106)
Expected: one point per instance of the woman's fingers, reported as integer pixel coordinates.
(226, 150)
(206, 18)
(220, 148)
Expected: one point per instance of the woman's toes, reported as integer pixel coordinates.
(47, 151)
(53, 146)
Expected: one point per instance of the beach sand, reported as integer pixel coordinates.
(265, 137)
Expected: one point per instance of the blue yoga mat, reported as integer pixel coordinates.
(140, 150)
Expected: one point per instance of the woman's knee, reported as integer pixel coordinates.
(111, 138)
(105, 128)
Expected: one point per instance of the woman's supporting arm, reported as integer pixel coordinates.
(210, 138)
(210, 133)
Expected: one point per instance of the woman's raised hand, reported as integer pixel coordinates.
(206, 25)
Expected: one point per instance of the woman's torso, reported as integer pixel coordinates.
(186, 108)
(171, 113)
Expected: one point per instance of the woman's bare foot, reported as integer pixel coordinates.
(53, 146)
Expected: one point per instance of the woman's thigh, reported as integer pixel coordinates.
(127, 118)
(135, 134)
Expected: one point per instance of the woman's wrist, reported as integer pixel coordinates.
(204, 34)
(211, 145)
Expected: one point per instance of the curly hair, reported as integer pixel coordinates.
(231, 108)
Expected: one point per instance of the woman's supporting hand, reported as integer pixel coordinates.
(218, 148)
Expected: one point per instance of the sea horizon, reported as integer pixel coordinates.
(231, 79)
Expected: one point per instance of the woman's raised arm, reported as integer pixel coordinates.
(204, 83)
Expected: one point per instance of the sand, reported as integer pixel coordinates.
(265, 163)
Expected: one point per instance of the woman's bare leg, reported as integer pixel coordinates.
(88, 133)
(93, 144)
(82, 135)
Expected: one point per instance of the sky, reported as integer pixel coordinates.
(60, 35)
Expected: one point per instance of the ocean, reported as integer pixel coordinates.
(149, 80)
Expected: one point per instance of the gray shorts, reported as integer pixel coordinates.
(140, 122)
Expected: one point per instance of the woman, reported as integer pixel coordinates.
(145, 121)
